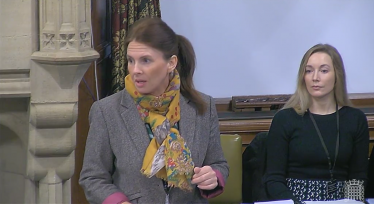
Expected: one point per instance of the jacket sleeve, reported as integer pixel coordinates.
(369, 191)
(214, 156)
(96, 174)
(359, 163)
(277, 158)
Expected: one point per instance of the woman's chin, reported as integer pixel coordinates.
(320, 95)
(142, 91)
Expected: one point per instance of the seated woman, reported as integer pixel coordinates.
(318, 140)
(158, 140)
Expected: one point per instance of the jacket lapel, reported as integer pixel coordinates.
(134, 124)
(187, 124)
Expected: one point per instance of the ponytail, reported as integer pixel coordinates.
(157, 34)
(186, 68)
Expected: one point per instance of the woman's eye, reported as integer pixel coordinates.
(146, 60)
(324, 71)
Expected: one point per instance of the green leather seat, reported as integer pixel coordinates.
(232, 149)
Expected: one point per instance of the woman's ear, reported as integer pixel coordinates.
(172, 64)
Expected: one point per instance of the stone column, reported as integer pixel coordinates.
(64, 55)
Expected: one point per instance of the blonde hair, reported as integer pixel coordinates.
(301, 100)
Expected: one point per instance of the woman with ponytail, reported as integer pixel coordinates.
(158, 140)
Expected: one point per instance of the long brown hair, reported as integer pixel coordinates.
(157, 34)
(301, 100)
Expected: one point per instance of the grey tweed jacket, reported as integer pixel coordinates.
(117, 141)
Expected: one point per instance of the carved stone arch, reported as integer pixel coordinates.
(13, 164)
(13, 123)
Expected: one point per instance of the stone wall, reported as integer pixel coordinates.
(45, 49)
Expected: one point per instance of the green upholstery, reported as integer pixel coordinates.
(232, 149)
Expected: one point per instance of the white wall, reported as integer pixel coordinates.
(255, 46)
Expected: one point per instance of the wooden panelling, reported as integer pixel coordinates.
(258, 103)
(248, 128)
(223, 104)
(362, 100)
(358, 100)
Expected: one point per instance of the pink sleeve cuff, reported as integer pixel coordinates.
(218, 190)
(115, 198)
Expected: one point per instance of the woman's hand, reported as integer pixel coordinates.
(205, 178)
(125, 202)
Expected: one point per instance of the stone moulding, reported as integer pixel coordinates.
(15, 83)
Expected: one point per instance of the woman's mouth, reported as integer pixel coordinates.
(140, 83)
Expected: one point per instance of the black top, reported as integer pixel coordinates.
(295, 150)
(369, 190)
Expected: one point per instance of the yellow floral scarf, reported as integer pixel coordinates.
(167, 155)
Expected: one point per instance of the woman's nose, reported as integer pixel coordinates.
(315, 76)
